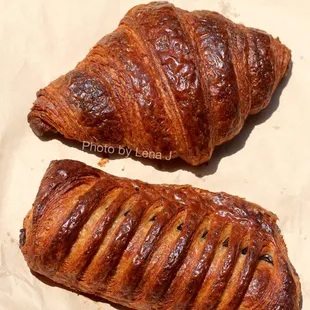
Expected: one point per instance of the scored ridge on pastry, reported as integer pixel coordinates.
(156, 246)
(166, 81)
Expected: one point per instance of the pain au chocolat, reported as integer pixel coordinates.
(166, 81)
(156, 246)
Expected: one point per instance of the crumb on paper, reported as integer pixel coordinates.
(102, 162)
(123, 168)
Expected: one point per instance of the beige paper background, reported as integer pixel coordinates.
(268, 163)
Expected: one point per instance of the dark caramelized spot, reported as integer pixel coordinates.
(136, 188)
(126, 212)
(96, 107)
(90, 96)
(22, 237)
(153, 218)
(267, 258)
(179, 228)
(225, 243)
(244, 251)
(204, 235)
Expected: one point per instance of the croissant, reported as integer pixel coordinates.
(156, 246)
(167, 82)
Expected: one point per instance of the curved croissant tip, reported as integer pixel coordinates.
(284, 57)
(36, 117)
(38, 126)
(287, 60)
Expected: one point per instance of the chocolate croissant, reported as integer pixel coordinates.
(167, 82)
(156, 246)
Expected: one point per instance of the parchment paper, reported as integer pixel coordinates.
(268, 163)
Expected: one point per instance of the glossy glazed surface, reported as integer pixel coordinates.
(166, 80)
(156, 246)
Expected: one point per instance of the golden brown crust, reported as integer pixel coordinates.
(156, 246)
(166, 80)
